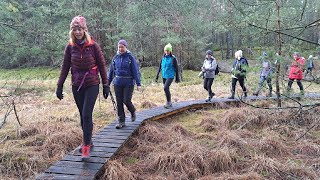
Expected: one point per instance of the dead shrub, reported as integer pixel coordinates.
(301, 173)
(220, 160)
(273, 146)
(268, 167)
(245, 176)
(233, 119)
(57, 144)
(181, 156)
(28, 131)
(230, 139)
(147, 105)
(182, 131)
(151, 134)
(116, 171)
(307, 149)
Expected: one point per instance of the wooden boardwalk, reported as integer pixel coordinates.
(109, 140)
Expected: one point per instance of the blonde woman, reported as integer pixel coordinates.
(83, 56)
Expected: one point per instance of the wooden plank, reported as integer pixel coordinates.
(119, 130)
(54, 176)
(99, 154)
(79, 159)
(124, 128)
(110, 136)
(71, 171)
(127, 123)
(106, 139)
(104, 149)
(80, 165)
(110, 133)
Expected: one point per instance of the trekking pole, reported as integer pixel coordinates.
(113, 101)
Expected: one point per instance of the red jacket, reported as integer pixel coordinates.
(296, 69)
(85, 64)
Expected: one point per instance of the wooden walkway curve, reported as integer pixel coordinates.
(109, 140)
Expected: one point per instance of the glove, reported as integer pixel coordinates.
(106, 91)
(59, 92)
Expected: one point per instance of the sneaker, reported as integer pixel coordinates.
(91, 145)
(168, 105)
(255, 94)
(208, 99)
(245, 95)
(133, 116)
(120, 125)
(85, 151)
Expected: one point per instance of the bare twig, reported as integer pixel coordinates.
(15, 112)
(313, 126)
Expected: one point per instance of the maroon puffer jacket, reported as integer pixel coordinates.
(85, 64)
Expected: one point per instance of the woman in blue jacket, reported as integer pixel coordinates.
(124, 72)
(169, 68)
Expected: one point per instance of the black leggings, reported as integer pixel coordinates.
(298, 82)
(207, 83)
(124, 96)
(241, 82)
(166, 87)
(85, 100)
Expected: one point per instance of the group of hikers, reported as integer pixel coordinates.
(85, 59)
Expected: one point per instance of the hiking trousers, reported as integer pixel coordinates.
(124, 96)
(85, 99)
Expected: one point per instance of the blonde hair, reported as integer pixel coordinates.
(238, 54)
(72, 39)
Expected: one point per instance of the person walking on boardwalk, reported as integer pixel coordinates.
(124, 72)
(209, 68)
(310, 66)
(239, 70)
(265, 75)
(296, 72)
(83, 56)
(169, 68)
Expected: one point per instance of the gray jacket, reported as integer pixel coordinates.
(209, 66)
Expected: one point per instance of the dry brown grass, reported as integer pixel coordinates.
(261, 149)
(273, 146)
(116, 171)
(221, 160)
(226, 176)
(175, 150)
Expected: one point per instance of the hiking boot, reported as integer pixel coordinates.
(85, 151)
(120, 125)
(231, 97)
(269, 95)
(168, 105)
(301, 92)
(255, 93)
(133, 116)
(245, 94)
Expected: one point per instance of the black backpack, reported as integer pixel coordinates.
(216, 72)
